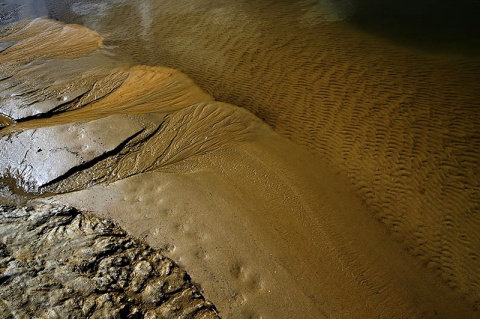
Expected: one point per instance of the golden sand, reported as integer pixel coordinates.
(52, 40)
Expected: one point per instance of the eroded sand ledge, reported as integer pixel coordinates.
(260, 223)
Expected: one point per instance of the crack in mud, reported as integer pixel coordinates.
(91, 163)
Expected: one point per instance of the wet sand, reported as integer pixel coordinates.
(376, 219)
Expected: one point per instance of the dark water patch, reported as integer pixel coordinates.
(441, 26)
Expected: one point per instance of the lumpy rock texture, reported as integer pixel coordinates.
(56, 262)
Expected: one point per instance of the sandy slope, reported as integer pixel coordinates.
(267, 228)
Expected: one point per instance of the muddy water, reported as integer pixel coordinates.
(375, 213)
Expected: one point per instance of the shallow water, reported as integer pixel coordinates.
(428, 25)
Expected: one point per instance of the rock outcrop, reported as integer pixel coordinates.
(56, 262)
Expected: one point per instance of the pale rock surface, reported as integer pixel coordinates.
(40, 156)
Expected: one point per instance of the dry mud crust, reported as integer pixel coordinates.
(56, 262)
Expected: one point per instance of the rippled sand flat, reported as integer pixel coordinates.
(369, 210)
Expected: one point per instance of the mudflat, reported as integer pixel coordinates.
(360, 202)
